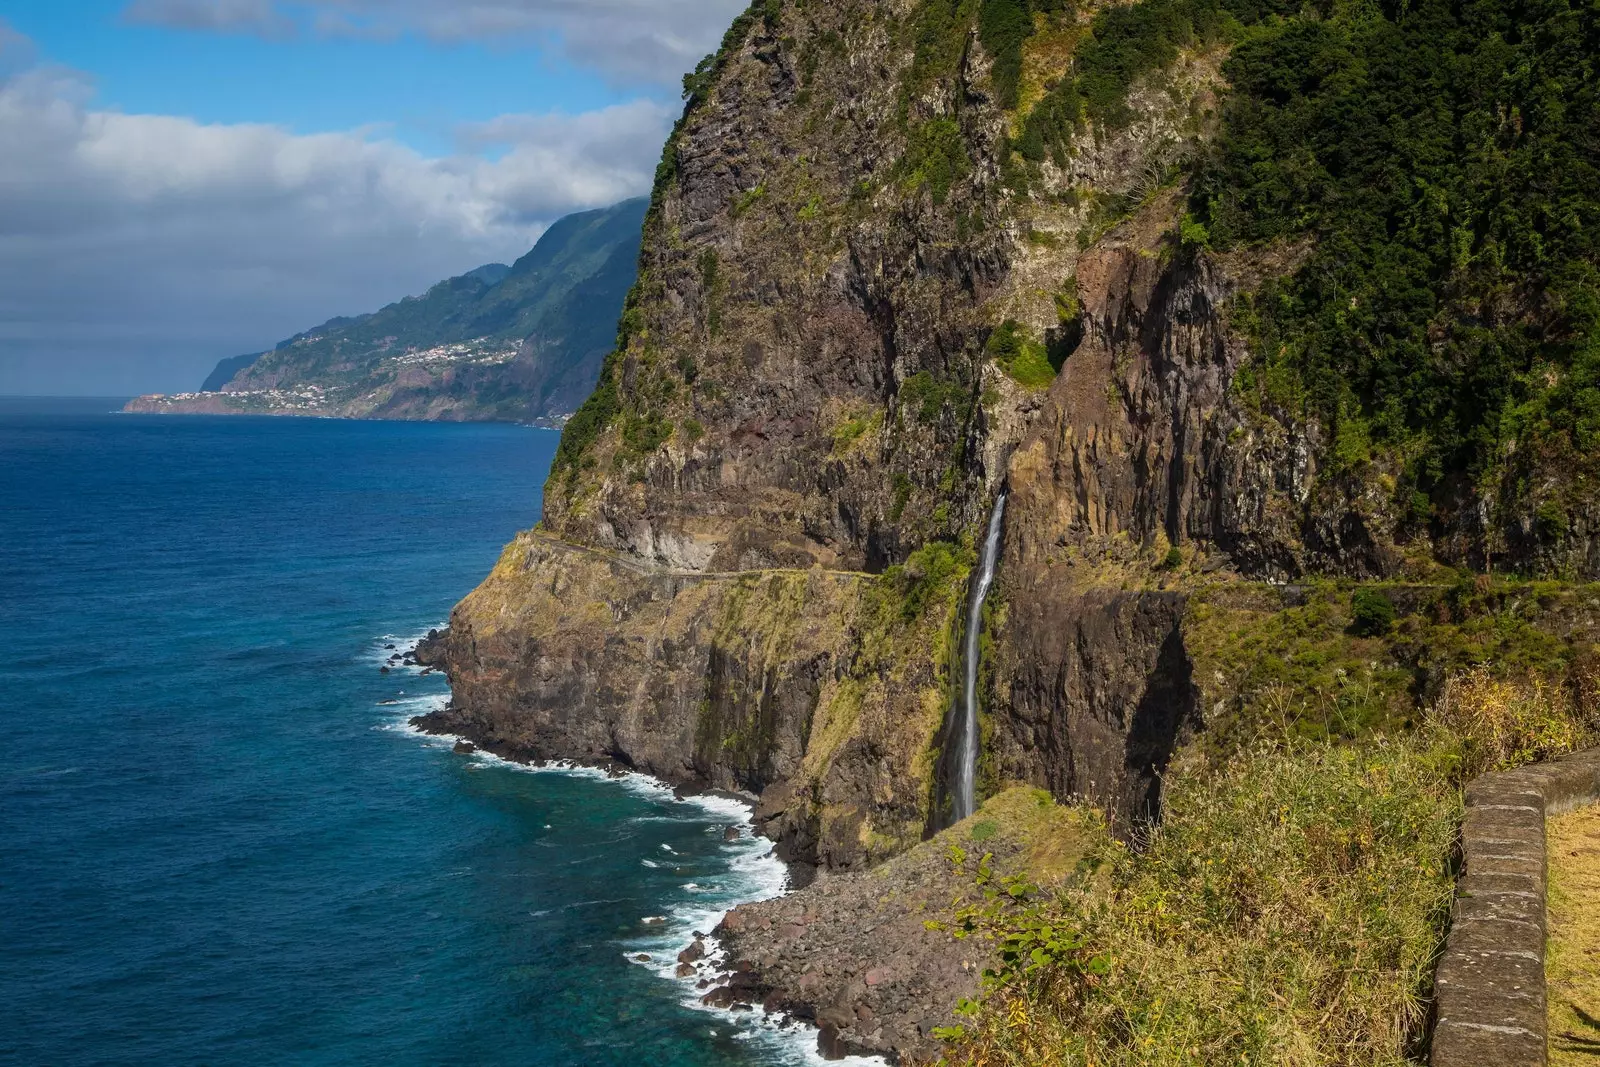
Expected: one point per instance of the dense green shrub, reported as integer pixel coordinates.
(924, 397)
(1027, 361)
(1372, 613)
(1445, 158)
(591, 419)
(1003, 26)
(936, 158)
(927, 575)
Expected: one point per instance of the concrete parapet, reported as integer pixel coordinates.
(1490, 985)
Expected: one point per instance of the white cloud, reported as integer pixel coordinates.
(628, 40)
(228, 16)
(158, 242)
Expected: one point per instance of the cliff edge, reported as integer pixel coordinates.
(904, 257)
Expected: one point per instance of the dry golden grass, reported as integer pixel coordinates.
(1503, 722)
(1285, 913)
(1290, 907)
(1573, 968)
(1046, 56)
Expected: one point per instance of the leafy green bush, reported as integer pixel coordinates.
(936, 158)
(1003, 26)
(1551, 520)
(852, 429)
(929, 575)
(1372, 613)
(1024, 359)
(585, 427)
(925, 397)
(748, 199)
(1192, 234)
(711, 286)
(643, 434)
(903, 489)
(1442, 157)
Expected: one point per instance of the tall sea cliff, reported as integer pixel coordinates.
(905, 256)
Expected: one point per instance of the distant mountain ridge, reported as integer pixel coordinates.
(225, 371)
(499, 343)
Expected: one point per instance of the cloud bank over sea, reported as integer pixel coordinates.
(175, 242)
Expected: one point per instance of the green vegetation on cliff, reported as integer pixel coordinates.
(1288, 910)
(497, 343)
(1444, 161)
(901, 256)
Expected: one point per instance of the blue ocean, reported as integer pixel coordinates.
(220, 843)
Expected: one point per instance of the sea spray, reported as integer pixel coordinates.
(966, 770)
(747, 870)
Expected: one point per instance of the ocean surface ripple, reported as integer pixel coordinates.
(219, 840)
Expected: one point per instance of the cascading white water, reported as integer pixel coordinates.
(965, 791)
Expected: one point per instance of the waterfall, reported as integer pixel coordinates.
(966, 770)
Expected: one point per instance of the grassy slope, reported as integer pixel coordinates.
(1288, 910)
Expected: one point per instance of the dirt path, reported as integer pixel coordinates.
(1573, 968)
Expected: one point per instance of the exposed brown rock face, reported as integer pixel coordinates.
(793, 284)
(733, 585)
(782, 683)
(804, 384)
(1095, 698)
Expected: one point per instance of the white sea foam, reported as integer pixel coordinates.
(379, 654)
(754, 873)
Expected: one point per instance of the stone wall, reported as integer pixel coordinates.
(1490, 989)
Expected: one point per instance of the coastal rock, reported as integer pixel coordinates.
(751, 569)
(560, 655)
(830, 1044)
(740, 987)
(854, 952)
(431, 651)
(464, 748)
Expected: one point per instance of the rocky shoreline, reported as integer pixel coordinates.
(846, 953)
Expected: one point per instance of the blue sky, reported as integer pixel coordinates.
(419, 89)
(184, 180)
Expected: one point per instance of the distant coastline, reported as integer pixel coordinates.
(260, 404)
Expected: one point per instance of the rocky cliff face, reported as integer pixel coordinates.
(815, 689)
(811, 384)
(855, 325)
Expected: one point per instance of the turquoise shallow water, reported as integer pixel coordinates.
(219, 846)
